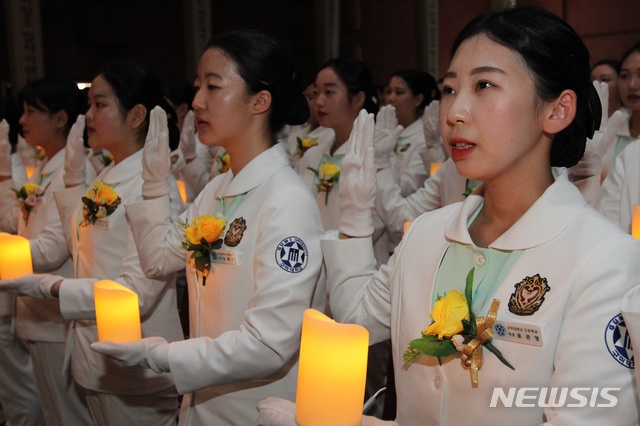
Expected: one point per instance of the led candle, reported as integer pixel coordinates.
(332, 373)
(434, 168)
(183, 190)
(407, 224)
(635, 222)
(29, 170)
(15, 256)
(117, 312)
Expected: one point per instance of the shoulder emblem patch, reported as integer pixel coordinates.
(292, 254)
(618, 341)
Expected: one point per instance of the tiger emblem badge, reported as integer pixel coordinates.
(235, 232)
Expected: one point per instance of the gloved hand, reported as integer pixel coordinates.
(27, 152)
(387, 131)
(357, 185)
(5, 150)
(187, 137)
(34, 285)
(431, 123)
(590, 164)
(281, 412)
(74, 155)
(156, 165)
(603, 94)
(150, 352)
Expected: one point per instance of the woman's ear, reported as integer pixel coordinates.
(357, 101)
(61, 118)
(261, 102)
(562, 112)
(136, 116)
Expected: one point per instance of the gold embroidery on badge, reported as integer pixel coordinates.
(528, 295)
(235, 232)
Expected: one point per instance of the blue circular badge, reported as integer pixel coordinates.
(500, 330)
(292, 254)
(618, 341)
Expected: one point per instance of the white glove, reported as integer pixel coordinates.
(281, 412)
(357, 185)
(590, 164)
(34, 285)
(27, 152)
(187, 137)
(5, 150)
(431, 123)
(156, 164)
(150, 352)
(603, 94)
(74, 155)
(276, 412)
(387, 131)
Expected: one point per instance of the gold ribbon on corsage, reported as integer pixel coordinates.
(472, 353)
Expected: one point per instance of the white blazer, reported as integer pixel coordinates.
(246, 321)
(106, 250)
(411, 169)
(588, 263)
(621, 188)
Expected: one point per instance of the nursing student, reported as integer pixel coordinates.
(122, 118)
(524, 251)
(258, 271)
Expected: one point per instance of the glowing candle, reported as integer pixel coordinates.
(29, 170)
(434, 168)
(117, 312)
(635, 222)
(332, 373)
(407, 224)
(183, 190)
(15, 256)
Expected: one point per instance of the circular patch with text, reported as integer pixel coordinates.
(292, 254)
(618, 341)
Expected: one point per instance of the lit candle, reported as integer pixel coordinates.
(29, 170)
(635, 222)
(434, 168)
(407, 224)
(183, 190)
(117, 312)
(15, 256)
(332, 372)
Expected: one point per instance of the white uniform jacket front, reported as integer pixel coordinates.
(106, 251)
(621, 188)
(246, 321)
(445, 187)
(411, 169)
(588, 264)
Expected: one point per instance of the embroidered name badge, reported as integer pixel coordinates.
(103, 224)
(618, 341)
(292, 254)
(528, 334)
(235, 232)
(528, 295)
(229, 257)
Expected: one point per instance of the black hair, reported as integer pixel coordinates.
(558, 59)
(178, 91)
(52, 95)
(133, 84)
(613, 63)
(420, 83)
(633, 49)
(264, 64)
(355, 75)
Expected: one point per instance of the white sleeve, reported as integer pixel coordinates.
(611, 194)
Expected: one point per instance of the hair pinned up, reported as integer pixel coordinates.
(264, 64)
(543, 41)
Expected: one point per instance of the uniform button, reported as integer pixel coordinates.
(480, 260)
(437, 382)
